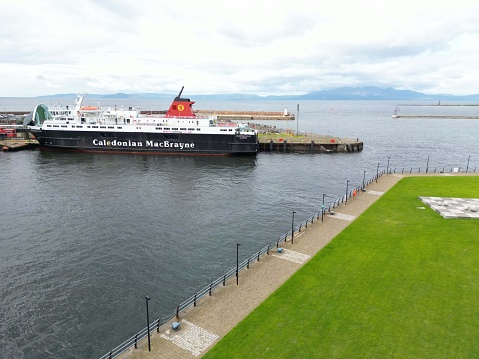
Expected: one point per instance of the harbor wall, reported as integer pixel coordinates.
(311, 146)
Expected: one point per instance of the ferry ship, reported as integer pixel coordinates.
(179, 131)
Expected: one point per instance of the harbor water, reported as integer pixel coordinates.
(85, 237)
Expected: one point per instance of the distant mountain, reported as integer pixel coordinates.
(342, 93)
(374, 93)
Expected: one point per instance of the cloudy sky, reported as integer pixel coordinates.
(247, 46)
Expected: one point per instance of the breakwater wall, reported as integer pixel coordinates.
(310, 145)
(437, 117)
(272, 139)
(223, 115)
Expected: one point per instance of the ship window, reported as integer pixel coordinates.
(79, 126)
(158, 128)
(49, 125)
(56, 126)
(111, 127)
(174, 128)
(230, 129)
(64, 126)
(191, 129)
(102, 126)
(223, 129)
(166, 128)
(119, 127)
(88, 127)
(198, 129)
(94, 126)
(183, 128)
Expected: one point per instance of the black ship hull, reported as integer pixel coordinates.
(146, 142)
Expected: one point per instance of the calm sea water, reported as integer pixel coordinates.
(84, 237)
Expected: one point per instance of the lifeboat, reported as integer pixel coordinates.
(89, 108)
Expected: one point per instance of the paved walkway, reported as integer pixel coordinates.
(215, 316)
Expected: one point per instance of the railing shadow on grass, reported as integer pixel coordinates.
(221, 281)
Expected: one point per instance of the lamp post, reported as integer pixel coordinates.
(237, 261)
(387, 168)
(347, 185)
(322, 210)
(292, 228)
(364, 178)
(377, 173)
(467, 168)
(148, 323)
(427, 164)
(297, 121)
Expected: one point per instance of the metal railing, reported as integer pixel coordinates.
(221, 281)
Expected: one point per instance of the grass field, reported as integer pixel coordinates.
(399, 282)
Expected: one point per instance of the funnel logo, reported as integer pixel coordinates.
(181, 107)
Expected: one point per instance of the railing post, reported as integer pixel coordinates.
(267, 250)
(210, 288)
(258, 256)
(194, 303)
(224, 280)
(110, 354)
(136, 341)
(178, 312)
(158, 326)
(247, 266)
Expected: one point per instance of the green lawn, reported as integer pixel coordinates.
(399, 282)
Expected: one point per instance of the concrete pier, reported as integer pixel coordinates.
(307, 143)
(18, 145)
(222, 115)
(438, 117)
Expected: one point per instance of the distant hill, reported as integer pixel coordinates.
(342, 93)
(374, 93)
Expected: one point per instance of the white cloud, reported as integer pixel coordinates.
(251, 46)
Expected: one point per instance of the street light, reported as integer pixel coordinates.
(377, 173)
(387, 168)
(467, 167)
(292, 228)
(347, 185)
(237, 261)
(364, 178)
(322, 210)
(148, 323)
(297, 121)
(427, 164)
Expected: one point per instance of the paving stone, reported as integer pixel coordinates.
(293, 256)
